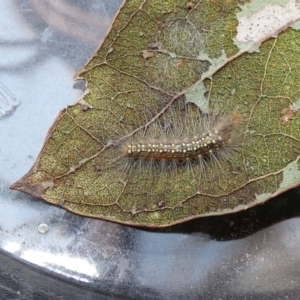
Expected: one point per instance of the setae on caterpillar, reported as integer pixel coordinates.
(183, 140)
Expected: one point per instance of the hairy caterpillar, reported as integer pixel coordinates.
(191, 139)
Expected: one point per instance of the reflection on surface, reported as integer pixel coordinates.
(8, 102)
(11, 247)
(72, 19)
(61, 262)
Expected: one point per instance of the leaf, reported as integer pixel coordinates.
(156, 55)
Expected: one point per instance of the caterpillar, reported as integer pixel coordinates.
(174, 142)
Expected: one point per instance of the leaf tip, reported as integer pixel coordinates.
(36, 190)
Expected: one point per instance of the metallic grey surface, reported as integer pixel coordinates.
(42, 45)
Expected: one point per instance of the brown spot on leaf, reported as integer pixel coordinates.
(190, 5)
(288, 113)
(161, 25)
(147, 54)
(179, 63)
(98, 168)
(69, 182)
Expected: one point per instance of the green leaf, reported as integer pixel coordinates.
(159, 54)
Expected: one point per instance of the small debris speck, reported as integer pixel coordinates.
(43, 228)
(85, 107)
(155, 45)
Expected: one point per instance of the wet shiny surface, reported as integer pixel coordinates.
(250, 255)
